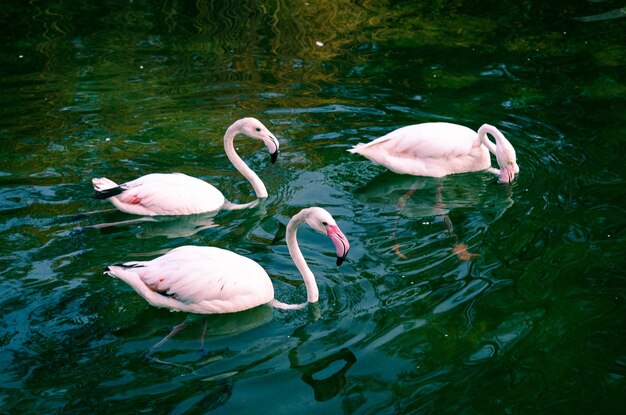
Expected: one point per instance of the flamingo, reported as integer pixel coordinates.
(178, 194)
(209, 280)
(437, 149)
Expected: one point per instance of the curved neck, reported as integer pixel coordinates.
(312, 292)
(240, 165)
(482, 136)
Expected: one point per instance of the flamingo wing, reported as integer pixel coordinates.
(429, 140)
(199, 279)
(429, 149)
(169, 194)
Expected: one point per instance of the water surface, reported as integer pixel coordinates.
(459, 295)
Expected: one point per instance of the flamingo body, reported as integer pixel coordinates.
(178, 194)
(198, 279)
(164, 194)
(208, 280)
(438, 148)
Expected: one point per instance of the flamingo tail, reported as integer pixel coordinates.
(356, 148)
(133, 264)
(105, 188)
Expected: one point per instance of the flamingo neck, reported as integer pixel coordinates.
(312, 292)
(482, 136)
(240, 165)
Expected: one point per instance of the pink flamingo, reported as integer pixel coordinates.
(179, 194)
(208, 280)
(437, 149)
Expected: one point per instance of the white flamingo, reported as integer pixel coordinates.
(179, 194)
(437, 149)
(208, 280)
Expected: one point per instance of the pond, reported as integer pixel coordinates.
(459, 294)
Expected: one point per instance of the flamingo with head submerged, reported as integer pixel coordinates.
(178, 194)
(437, 149)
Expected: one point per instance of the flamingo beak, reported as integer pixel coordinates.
(507, 174)
(342, 246)
(274, 142)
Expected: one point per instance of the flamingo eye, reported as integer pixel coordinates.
(258, 129)
(325, 223)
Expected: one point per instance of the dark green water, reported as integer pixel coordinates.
(533, 322)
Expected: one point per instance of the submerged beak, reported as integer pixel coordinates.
(342, 246)
(507, 174)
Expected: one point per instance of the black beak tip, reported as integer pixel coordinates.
(274, 156)
(340, 259)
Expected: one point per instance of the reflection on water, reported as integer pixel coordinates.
(211, 325)
(431, 203)
(612, 14)
(328, 387)
(168, 226)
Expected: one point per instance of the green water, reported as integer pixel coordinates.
(530, 320)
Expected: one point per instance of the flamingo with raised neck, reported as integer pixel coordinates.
(209, 280)
(178, 194)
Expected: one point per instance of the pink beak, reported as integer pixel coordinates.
(507, 174)
(340, 241)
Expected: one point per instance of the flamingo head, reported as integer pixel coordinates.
(322, 221)
(254, 128)
(504, 151)
(507, 161)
